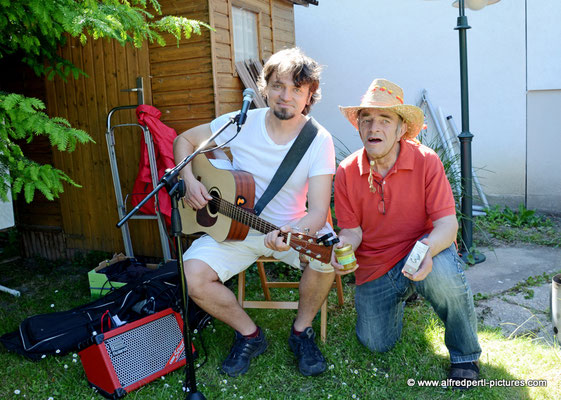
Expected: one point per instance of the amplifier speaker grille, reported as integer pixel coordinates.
(134, 354)
(140, 358)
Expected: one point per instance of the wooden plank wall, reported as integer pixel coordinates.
(276, 29)
(40, 222)
(89, 213)
(182, 79)
(283, 25)
(191, 84)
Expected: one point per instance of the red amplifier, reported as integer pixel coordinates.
(130, 356)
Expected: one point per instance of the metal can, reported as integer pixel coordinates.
(346, 257)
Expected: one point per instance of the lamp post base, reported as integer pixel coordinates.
(473, 257)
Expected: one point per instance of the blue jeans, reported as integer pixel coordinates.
(379, 305)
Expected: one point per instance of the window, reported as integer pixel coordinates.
(246, 34)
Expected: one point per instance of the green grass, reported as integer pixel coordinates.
(353, 371)
(516, 226)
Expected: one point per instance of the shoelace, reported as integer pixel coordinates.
(238, 347)
(307, 346)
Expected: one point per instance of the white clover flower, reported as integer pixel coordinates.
(354, 396)
(17, 391)
(195, 331)
(387, 376)
(163, 378)
(74, 355)
(356, 371)
(51, 398)
(331, 366)
(224, 381)
(43, 356)
(65, 366)
(57, 351)
(56, 291)
(344, 383)
(52, 305)
(166, 385)
(375, 369)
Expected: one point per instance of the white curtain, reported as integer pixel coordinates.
(245, 34)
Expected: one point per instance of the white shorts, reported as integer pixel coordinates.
(230, 258)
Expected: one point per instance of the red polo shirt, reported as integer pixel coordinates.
(416, 192)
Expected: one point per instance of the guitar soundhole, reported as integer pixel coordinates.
(213, 205)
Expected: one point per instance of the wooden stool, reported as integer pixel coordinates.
(291, 305)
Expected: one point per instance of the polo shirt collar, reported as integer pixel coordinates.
(405, 159)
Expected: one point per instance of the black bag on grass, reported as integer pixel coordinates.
(61, 332)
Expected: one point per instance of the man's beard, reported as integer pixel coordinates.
(283, 114)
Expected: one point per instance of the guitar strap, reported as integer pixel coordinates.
(289, 163)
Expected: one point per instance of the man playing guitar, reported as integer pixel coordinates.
(290, 82)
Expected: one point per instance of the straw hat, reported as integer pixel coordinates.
(383, 94)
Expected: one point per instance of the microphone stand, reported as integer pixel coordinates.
(176, 190)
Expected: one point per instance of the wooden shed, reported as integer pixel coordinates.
(191, 84)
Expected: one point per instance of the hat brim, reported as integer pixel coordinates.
(413, 116)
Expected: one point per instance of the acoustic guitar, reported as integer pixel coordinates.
(229, 215)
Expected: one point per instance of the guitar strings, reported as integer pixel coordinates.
(247, 218)
(243, 215)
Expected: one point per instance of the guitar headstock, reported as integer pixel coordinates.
(308, 246)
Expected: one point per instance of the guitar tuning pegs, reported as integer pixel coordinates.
(298, 248)
(300, 237)
(308, 251)
(318, 255)
(310, 240)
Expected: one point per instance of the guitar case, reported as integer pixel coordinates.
(59, 333)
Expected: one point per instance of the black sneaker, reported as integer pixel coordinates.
(241, 353)
(462, 376)
(310, 360)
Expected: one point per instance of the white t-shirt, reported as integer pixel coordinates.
(255, 152)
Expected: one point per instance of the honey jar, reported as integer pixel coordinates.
(346, 257)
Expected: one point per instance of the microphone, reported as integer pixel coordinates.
(248, 95)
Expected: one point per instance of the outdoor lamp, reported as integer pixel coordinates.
(465, 136)
(475, 4)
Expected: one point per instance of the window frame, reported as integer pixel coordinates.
(243, 5)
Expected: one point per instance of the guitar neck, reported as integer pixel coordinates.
(243, 216)
(302, 243)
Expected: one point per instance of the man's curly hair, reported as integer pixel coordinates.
(303, 69)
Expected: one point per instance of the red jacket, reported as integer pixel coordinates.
(162, 136)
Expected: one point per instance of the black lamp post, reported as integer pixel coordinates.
(466, 136)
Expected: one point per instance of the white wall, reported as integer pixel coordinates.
(413, 43)
(6, 209)
(544, 44)
(6, 213)
(544, 162)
